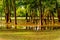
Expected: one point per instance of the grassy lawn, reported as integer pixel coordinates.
(41, 35)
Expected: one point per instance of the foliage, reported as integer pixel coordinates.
(30, 5)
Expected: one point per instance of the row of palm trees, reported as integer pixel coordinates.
(10, 5)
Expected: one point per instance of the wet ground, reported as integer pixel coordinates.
(27, 34)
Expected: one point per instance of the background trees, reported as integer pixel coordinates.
(19, 8)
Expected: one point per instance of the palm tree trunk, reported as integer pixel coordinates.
(10, 9)
(58, 11)
(14, 8)
(41, 12)
(7, 11)
(58, 14)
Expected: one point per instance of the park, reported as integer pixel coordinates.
(29, 19)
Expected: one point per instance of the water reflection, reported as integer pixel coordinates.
(2, 26)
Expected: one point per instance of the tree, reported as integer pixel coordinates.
(48, 5)
(14, 8)
(41, 11)
(7, 11)
(58, 11)
(10, 6)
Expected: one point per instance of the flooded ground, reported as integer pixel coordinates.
(23, 33)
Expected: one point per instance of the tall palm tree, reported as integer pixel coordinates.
(7, 11)
(58, 11)
(14, 8)
(41, 11)
(10, 6)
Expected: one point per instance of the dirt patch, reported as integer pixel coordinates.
(2, 39)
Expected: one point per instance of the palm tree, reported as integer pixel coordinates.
(50, 5)
(7, 11)
(58, 11)
(10, 6)
(14, 8)
(41, 11)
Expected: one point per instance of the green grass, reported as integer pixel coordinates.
(45, 35)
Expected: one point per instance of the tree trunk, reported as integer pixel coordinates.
(41, 12)
(58, 11)
(26, 16)
(10, 9)
(14, 9)
(7, 11)
(58, 14)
